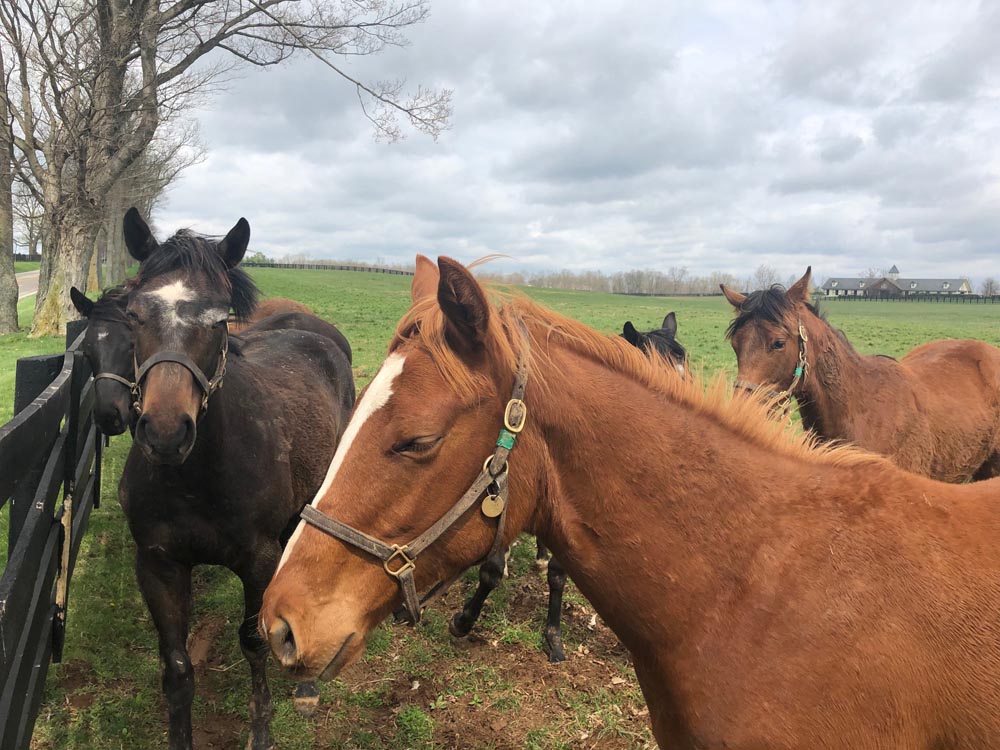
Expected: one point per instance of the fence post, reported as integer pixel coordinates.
(32, 376)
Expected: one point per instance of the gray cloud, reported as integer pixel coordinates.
(612, 135)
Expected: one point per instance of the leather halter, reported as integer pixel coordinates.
(801, 370)
(208, 387)
(132, 387)
(399, 560)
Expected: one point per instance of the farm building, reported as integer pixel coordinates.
(891, 285)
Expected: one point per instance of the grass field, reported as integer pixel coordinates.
(20, 266)
(415, 688)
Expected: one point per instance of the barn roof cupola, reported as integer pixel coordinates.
(893, 273)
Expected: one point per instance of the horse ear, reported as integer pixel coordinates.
(83, 305)
(735, 298)
(799, 291)
(234, 245)
(670, 324)
(425, 279)
(138, 238)
(464, 305)
(630, 334)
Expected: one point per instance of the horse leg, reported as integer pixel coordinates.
(553, 631)
(166, 587)
(255, 649)
(541, 556)
(491, 573)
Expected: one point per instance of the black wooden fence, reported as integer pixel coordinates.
(328, 267)
(958, 299)
(50, 470)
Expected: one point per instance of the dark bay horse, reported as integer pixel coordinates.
(663, 342)
(107, 345)
(773, 594)
(233, 437)
(935, 412)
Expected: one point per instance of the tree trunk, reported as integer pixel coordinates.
(72, 243)
(8, 283)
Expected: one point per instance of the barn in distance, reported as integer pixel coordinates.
(892, 286)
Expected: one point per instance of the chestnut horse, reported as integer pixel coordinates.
(773, 594)
(233, 436)
(663, 341)
(935, 412)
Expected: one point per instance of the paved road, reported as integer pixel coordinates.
(27, 284)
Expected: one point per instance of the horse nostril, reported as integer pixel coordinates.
(282, 642)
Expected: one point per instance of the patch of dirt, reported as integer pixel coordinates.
(220, 732)
(202, 639)
(75, 678)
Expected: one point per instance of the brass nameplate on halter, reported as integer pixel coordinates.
(492, 506)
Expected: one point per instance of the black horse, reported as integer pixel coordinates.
(107, 344)
(662, 340)
(491, 572)
(232, 438)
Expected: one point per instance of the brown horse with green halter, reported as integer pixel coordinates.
(936, 411)
(773, 594)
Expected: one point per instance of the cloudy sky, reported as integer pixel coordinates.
(715, 135)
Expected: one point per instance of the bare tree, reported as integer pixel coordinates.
(27, 220)
(990, 287)
(873, 273)
(8, 282)
(765, 277)
(96, 78)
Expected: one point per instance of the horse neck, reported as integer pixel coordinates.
(832, 397)
(649, 505)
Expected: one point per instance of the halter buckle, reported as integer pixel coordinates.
(508, 414)
(400, 552)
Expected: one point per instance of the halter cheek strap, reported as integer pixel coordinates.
(490, 487)
(801, 370)
(208, 386)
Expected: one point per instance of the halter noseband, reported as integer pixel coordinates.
(801, 370)
(399, 561)
(208, 387)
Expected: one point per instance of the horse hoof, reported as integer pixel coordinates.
(306, 699)
(267, 744)
(457, 626)
(555, 650)
(542, 564)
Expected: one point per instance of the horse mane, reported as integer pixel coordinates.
(514, 318)
(111, 304)
(189, 251)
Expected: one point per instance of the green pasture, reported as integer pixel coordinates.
(20, 266)
(416, 688)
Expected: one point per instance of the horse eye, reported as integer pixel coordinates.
(779, 344)
(417, 445)
(133, 317)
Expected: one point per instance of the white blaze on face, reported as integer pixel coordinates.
(375, 398)
(170, 296)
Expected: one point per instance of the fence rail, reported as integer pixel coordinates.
(963, 299)
(50, 474)
(328, 267)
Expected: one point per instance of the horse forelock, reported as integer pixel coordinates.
(518, 324)
(768, 305)
(197, 254)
